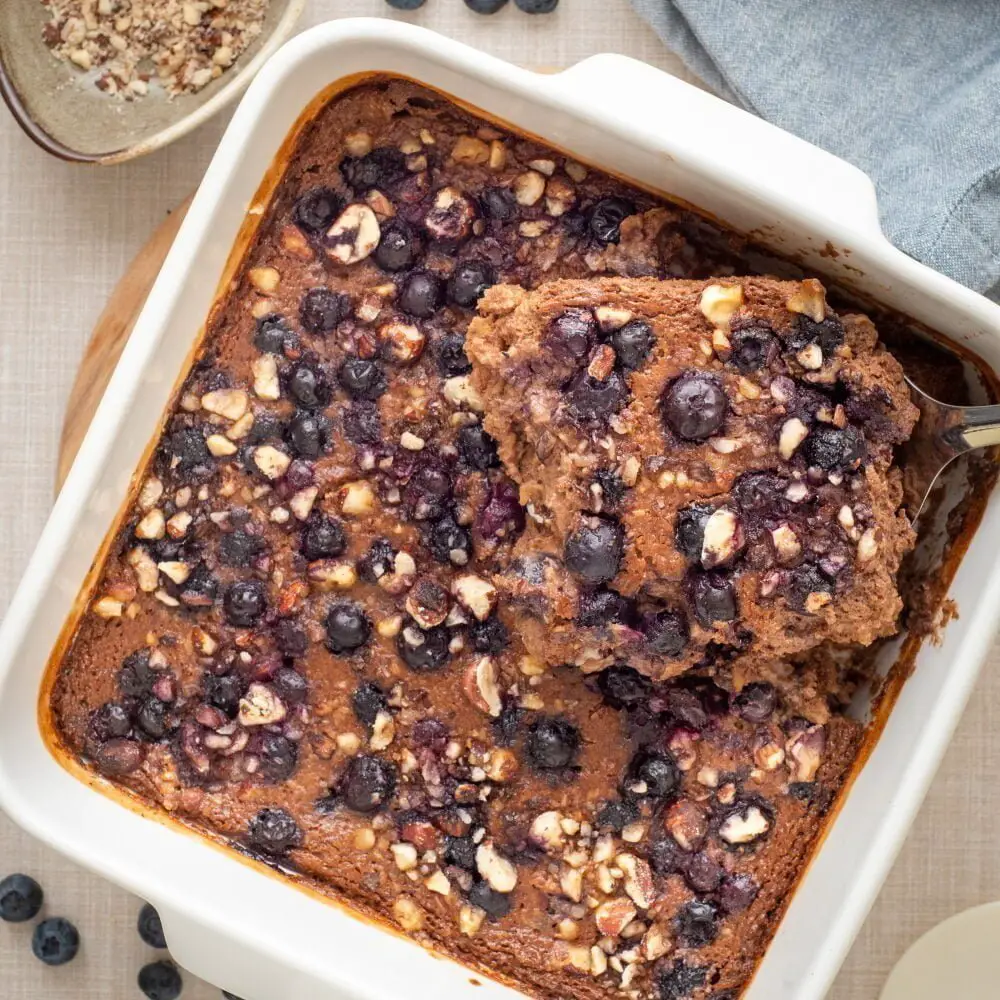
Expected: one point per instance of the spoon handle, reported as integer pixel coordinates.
(975, 427)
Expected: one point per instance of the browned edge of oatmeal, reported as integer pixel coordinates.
(982, 478)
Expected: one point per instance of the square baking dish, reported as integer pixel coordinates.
(262, 937)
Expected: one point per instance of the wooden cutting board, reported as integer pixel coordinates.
(109, 336)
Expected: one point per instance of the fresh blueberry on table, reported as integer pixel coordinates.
(537, 6)
(485, 6)
(406, 4)
(160, 981)
(149, 927)
(55, 941)
(20, 898)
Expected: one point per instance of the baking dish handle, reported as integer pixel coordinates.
(725, 143)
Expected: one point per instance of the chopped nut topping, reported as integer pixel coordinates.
(719, 302)
(744, 825)
(810, 299)
(723, 538)
(220, 446)
(786, 543)
(260, 706)
(153, 526)
(264, 279)
(480, 686)
(793, 433)
(273, 463)
(408, 915)
(460, 392)
(469, 149)
(546, 830)
(613, 916)
(867, 546)
(265, 377)
(475, 594)
(529, 188)
(354, 235)
(611, 318)
(495, 869)
(149, 495)
(356, 499)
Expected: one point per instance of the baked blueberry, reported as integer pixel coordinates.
(667, 632)
(119, 757)
(656, 771)
(623, 687)
(571, 335)
(244, 602)
(362, 378)
(362, 424)
(423, 649)
(632, 343)
(808, 588)
(308, 387)
(694, 406)
(321, 310)
(152, 720)
(377, 561)
(604, 607)
(713, 597)
(502, 516)
(223, 691)
(450, 354)
(368, 783)
(596, 399)
(680, 981)
(200, 589)
(612, 487)
(689, 529)
(666, 857)
(397, 248)
(477, 448)
(828, 333)
(428, 491)
(55, 941)
(239, 549)
(498, 203)
(703, 874)
(323, 538)
(272, 334)
(307, 434)
(489, 636)
(273, 831)
(607, 216)
(737, 892)
(615, 815)
(485, 6)
(109, 722)
(753, 347)
(278, 757)
(756, 702)
(594, 551)
(449, 542)
(136, 677)
(470, 279)
(291, 638)
(347, 627)
(150, 928)
(367, 701)
(834, 450)
(160, 981)
(381, 168)
(759, 493)
(494, 904)
(552, 743)
(20, 898)
(420, 294)
(292, 688)
(696, 924)
(188, 449)
(460, 851)
(316, 209)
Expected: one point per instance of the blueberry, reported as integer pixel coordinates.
(380, 168)
(695, 406)
(758, 492)
(427, 491)
(689, 529)
(604, 607)
(502, 515)
(498, 203)
(470, 279)
(272, 334)
(570, 336)
(55, 941)
(377, 561)
(756, 702)
(347, 627)
(753, 347)
(666, 857)
(200, 589)
(160, 981)
(307, 434)
(136, 677)
(450, 355)
(807, 579)
(449, 542)
(679, 981)
(485, 6)
(507, 724)
(316, 209)
(623, 687)
(594, 551)
(615, 815)
(828, 333)
(397, 248)
(244, 602)
(362, 424)
(477, 448)
(323, 538)
(420, 295)
(290, 685)
(149, 927)
(423, 649)
(489, 636)
(834, 450)
(151, 719)
(119, 757)
(20, 898)
(278, 757)
(321, 310)
(703, 874)
(187, 446)
(608, 214)
(224, 691)
(553, 743)
(266, 427)
(239, 550)
(658, 770)
(460, 851)
(494, 904)
(537, 6)
(738, 891)
(368, 783)
(273, 831)
(362, 379)
(695, 924)
(714, 598)
(612, 487)
(406, 4)
(308, 387)
(596, 399)
(367, 701)
(632, 343)
(109, 722)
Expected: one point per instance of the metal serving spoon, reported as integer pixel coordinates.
(942, 433)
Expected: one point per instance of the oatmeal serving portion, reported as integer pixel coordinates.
(314, 637)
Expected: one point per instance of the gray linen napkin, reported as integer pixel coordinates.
(907, 90)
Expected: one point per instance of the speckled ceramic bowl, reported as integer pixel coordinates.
(62, 110)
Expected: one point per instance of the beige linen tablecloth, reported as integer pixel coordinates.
(67, 233)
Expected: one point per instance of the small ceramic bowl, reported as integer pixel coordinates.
(62, 110)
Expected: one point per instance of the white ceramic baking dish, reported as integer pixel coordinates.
(259, 936)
